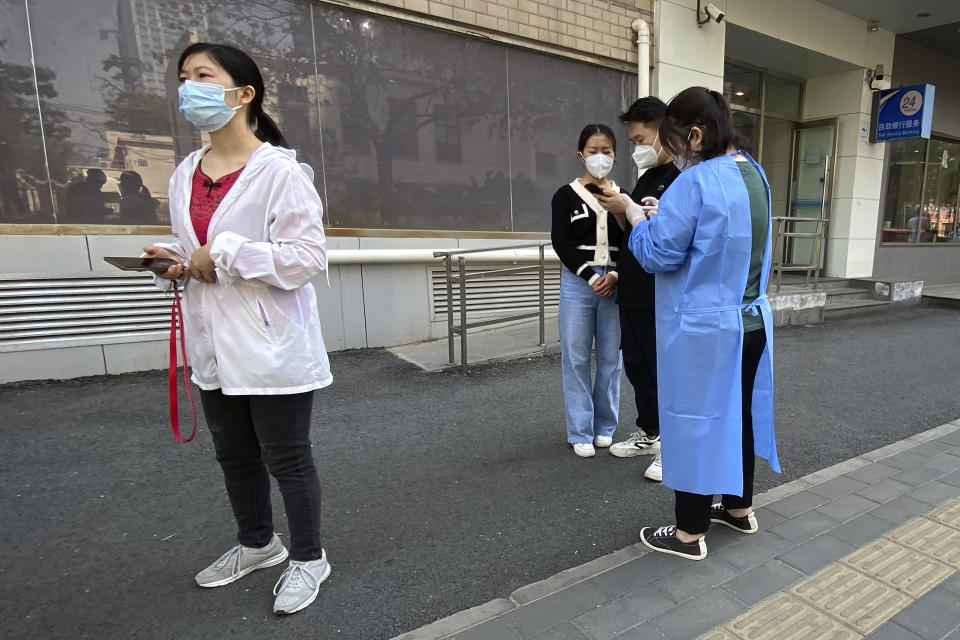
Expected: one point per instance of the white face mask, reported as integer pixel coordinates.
(645, 156)
(681, 161)
(599, 165)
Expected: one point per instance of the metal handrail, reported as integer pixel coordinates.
(811, 267)
(462, 277)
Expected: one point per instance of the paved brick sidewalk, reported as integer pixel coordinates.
(868, 548)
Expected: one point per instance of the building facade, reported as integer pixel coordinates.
(438, 125)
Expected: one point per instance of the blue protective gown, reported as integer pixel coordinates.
(698, 245)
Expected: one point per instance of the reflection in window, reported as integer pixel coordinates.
(446, 133)
(923, 178)
(546, 165)
(741, 85)
(374, 89)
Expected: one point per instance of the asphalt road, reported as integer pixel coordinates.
(441, 491)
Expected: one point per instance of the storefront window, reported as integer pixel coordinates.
(922, 184)
(741, 85)
(406, 127)
(747, 127)
(783, 97)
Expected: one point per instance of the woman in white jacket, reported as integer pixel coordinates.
(248, 237)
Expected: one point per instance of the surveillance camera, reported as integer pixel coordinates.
(714, 12)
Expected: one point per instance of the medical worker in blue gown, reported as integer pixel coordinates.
(708, 243)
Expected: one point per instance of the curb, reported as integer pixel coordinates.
(463, 620)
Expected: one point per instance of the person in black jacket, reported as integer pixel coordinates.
(636, 291)
(588, 242)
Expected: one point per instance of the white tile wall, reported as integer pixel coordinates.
(396, 298)
(51, 364)
(669, 80)
(136, 356)
(833, 95)
(44, 254)
(681, 43)
(854, 218)
(329, 307)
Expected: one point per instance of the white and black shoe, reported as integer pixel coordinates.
(638, 444)
(665, 540)
(746, 524)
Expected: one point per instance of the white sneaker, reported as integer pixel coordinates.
(638, 444)
(299, 585)
(603, 441)
(240, 561)
(584, 449)
(655, 470)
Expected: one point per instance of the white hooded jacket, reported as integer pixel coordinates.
(256, 330)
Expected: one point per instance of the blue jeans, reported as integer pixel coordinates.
(585, 317)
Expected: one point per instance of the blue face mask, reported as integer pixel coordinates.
(203, 105)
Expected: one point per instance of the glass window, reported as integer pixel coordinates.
(747, 127)
(25, 193)
(777, 149)
(551, 100)
(741, 85)
(940, 189)
(783, 97)
(904, 219)
(405, 126)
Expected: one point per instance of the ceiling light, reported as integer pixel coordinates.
(738, 93)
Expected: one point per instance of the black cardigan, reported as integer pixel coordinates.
(578, 220)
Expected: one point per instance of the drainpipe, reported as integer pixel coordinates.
(643, 56)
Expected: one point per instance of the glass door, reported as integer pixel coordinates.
(814, 154)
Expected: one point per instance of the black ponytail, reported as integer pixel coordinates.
(698, 107)
(268, 131)
(244, 72)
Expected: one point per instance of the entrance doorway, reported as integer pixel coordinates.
(811, 185)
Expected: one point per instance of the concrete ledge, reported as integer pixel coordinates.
(568, 577)
(798, 308)
(459, 621)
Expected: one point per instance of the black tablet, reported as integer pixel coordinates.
(156, 265)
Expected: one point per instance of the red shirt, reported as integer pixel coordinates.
(205, 197)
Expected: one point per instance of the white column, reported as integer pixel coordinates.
(686, 56)
(858, 172)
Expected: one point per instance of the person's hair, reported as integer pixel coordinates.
(649, 110)
(597, 129)
(96, 175)
(702, 108)
(244, 71)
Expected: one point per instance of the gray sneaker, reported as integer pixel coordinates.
(299, 585)
(240, 561)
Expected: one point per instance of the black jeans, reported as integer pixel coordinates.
(692, 509)
(638, 340)
(254, 434)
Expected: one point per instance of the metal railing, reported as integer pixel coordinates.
(461, 278)
(785, 229)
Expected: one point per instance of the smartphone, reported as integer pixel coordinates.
(594, 189)
(156, 265)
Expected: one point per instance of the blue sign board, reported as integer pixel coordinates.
(901, 113)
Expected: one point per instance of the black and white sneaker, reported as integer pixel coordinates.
(746, 524)
(638, 444)
(665, 540)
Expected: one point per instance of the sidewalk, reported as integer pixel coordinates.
(868, 548)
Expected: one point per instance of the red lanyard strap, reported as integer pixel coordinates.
(176, 319)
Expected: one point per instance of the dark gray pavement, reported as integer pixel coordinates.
(441, 491)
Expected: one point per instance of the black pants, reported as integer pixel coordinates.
(254, 434)
(638, 340)
(692, 509)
